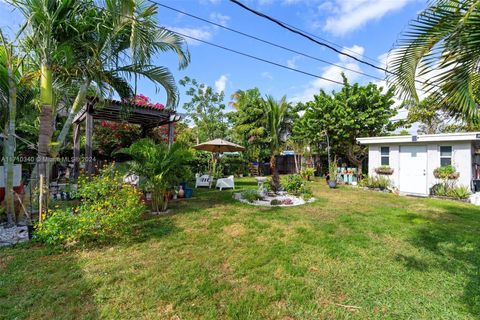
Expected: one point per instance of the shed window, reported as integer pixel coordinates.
(385, 156)
(445, 156)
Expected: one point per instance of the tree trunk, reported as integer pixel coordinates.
(275, 184)
(46, 128)
(10, 150)
(296, 163)
(77, 104)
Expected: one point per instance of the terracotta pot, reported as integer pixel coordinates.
(181, 192)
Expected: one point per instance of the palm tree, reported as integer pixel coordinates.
(441, 45)
(14, 90)
(136, 34)
(276, 113)
(159, 167)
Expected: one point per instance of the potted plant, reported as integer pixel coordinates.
(385, 170)
(160, 165)
(332, 173)
(446, 173)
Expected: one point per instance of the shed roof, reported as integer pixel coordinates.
(443, 137)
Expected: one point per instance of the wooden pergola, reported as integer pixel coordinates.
(148, 117)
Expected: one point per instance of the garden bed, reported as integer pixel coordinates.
(283, 200)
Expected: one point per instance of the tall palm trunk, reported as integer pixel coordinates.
(10, 150)
(60, 142)
(275, 177)
(46, 128)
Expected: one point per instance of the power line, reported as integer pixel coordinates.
(324, 43)
(257, 58)
(301, 33)
(240, 53)
(264, 41)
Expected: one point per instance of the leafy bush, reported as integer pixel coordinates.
(376, 182)
(440, 189)
(307, 173)
(235, 165)
(108, 209)
(251, 195)
(293, 183)
(275, 202)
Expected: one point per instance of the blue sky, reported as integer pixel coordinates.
(366, 27)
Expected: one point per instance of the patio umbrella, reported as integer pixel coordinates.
(219, 146)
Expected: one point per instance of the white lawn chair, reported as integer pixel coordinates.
(131, 179)
(225, 183)
(204, 181)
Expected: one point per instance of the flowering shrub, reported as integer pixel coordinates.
(143, 100)
(108, 209)
(296, 185)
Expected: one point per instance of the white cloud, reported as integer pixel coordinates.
(219, 18)
(221, 83)
(333, 73)
(346, 16)
(267, 75)
(292, 63)
(197, 33)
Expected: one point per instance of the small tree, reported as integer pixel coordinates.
(276, 113)
(249, 124)
(355, 111)
(159, 167)
(206, 109)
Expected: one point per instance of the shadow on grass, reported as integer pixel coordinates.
(39, 284)
(454, 240)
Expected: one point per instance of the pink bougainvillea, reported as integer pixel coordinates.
(143, 100)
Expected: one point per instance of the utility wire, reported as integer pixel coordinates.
(240, 53)
(321, 43)
(258, 58)
(296, 30)
(263, 40)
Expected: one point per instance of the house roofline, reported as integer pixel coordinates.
(443, 137)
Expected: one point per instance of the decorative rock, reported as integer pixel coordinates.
(14, 235)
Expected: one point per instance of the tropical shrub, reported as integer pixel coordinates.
(108, 209)
(307, 173)
(459, 192)
(448, 190)
(251, 195)
(160, 167)
(293, 183)
(376, 182)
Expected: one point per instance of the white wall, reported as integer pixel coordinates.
(461, 160)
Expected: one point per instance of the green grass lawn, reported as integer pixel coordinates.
(351, 254)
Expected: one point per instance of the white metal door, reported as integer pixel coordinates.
(413, 169)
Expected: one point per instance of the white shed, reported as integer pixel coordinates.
(414, 158)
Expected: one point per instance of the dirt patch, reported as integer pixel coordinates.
(235, 230)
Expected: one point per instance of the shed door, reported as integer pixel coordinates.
(413, 170)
